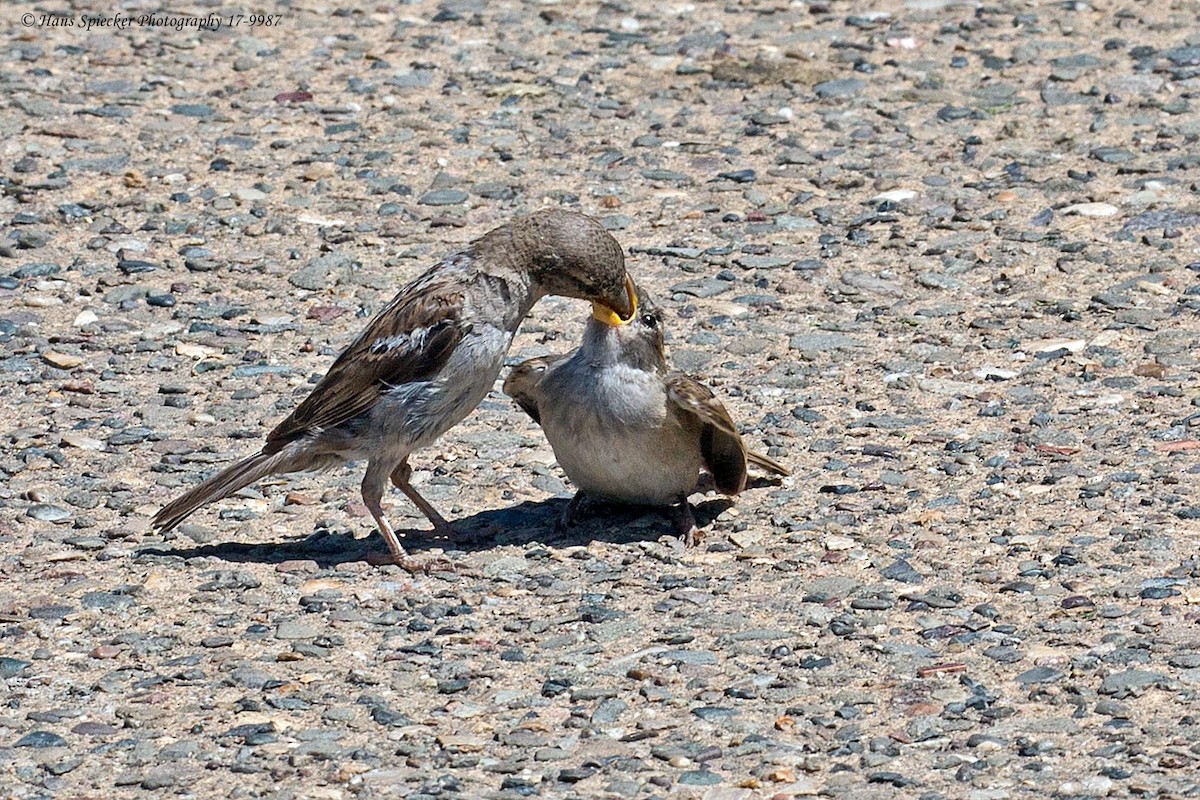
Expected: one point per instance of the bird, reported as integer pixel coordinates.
(426, 360)
(625, 427)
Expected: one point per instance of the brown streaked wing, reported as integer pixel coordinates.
(409, 340)
(720, 442)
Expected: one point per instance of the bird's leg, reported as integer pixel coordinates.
(372, 493)
(374, 482)
(401, 476)
(685, 523)
(570, 512)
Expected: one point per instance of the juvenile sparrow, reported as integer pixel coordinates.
(626, 429)
(427, 359)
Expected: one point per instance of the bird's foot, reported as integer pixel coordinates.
(570, 513)
(685, 524)
(412, 564)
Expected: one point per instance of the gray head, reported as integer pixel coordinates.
(565, 253)
(636, 342)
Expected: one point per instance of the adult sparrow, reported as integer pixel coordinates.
(627, 429)
(427, 359)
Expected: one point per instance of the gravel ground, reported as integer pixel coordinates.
(941, 259)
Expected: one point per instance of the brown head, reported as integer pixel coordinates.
(568, 254)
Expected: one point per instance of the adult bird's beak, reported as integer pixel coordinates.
(620, 312)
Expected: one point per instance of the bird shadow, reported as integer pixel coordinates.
(525, 523)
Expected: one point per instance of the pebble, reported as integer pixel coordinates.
(1130, 683)
(295, 629)
(41, 739)
(249, 194)
(62, 360)
(699, 778)
(198, 110)
(46, 512)
(161, 300)
(444, 197)
(1092, 210)
(894, 196)
(124, 294)
(840, 88)
(901, 570)
(763, 262)
(85, 318)
(1112, 155)
(11, 667)
(739, 176)
(1039, 675)
(702, 287)
(322, 271)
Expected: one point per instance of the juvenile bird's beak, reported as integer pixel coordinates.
(623, 310)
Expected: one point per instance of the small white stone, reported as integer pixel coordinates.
(894, 196)
(248, 194)
(313, 219)
(837, 542)
(81, 441)
(85, 317)
(1092, 786)
(1050, 345)
(745, 539)
(128, 244)
(983, 373)
(279, 319)
(41, 301)
(1153, 287)
(162, 330)
(1091, 210)
(197, 351)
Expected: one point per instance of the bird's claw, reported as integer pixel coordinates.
(685, 523)
(412, 564)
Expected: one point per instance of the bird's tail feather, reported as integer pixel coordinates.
(767, 463)
(224, 483)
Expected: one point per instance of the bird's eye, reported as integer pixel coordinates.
(650, 321)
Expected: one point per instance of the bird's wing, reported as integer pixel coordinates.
(767, 463)
(720, 442)
(522, 383)
(411, 339)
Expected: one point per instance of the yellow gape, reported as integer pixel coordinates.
(604, 314)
